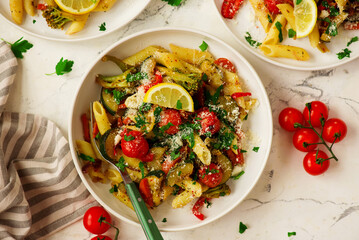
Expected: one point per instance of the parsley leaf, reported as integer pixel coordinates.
(255, 149)
(243, 151)
(345, 53)
(236, 177)
(325, 4)
(157, 115)
(19, 47)
(278, 25)
(145, 107)
(204, 77)
(175, 154)
(136, 77)
(164, 220)
(62, 67)
(166, 127)
(86, 158)
(206, 201)
(242, 228)
(332, 29)
(203, 46)
(252, 42)
(179, 104)
(269, 18)
(121, 164)
(33, 21)
(216, 95)
(235, 147)
(173, 2)
(333, 11)
(298, 2)
(114, 189)
(354, 39)
(291, 234)
(102, 27)
(128, 138)
(118, 96)
(142, 167)
(291, 33)
(224, 140)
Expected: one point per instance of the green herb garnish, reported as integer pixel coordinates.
(102, 27)
(345, 53)
(114, 189)
(236, 177)
(86, 158)
(242, 228)
(118, 96)
(269, 18)
(291, 33)
(142, 168)
(252, 42)
(164, 220)
(179, 104)
(278, 25)
(136, 77)
(203, 46)
(128, 138)
(173, 2)
(255, 149)
(291, 234)
(62, 67)
(19, 47)
(354, 39)
(121, 164)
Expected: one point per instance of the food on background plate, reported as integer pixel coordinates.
(60, 12)
(173, 120)
(307, 138)
(319, 20)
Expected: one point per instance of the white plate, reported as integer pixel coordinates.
(123, 12)
(245, 21)
(259, 121)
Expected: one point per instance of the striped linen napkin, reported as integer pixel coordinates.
(40, 190)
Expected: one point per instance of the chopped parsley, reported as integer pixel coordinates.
(140, 121)
(179, 173)
(354, 39)
(19, 47)
(207, 202)
(216, 95)
(236, 177)
(166, 127)
(179, 104)
(118, 95)
(278, 25)
(86, 158)
(291, 234)
(242, 228)
(345, 53)
(33, 21)
(297, 2)
(62, 67)
(192, 155)
(255, 149)
(203, 46)
(175, 190)
(291, 33)
(333, 11)
(114, 189)
(269, 18)
(136, 77)
(128, 138)
(173, 2)
(164, 220)
(157, 113)
(243, 151)
(235, 147)
(204, 77)
(252, 42)
(142, 168)
(102, 27)
(224, 140)
(121, 164)
(98, 136)
(325, 4)
(246, 117)
(175, 154)
(222, 194)
(332, 29)
(145, 107)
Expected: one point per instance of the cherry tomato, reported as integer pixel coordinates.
(101, 237)
(289, 116)
(146, 193)
(305, 135)
(210, 175)
(310, 165)
(230, 8)
(41, 6)
(240, 94)
(226, 64)
(332, 127)
(272, 5)
(236, 159)
(91, 218)
(209, 121)
(136, 145)
(170, 116)
(318, 109)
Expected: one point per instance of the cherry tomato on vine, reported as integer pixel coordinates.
(134, 145)
(226, 64)
(305, 135)
(310, 165)
(210, 175)
(91, 218)
(288, 116)
(318, 109)
(333, 127)
(101, 237)
(209, 121)
(170, 116)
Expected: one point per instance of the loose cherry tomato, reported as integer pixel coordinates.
(310, 165)
(101, 237)
(318, 109)
(136, 145)
(170, 116)
(305, 135)
(146, 193)
(209, 121)
(333, 127)
(91, 218)
(289, 116)
(230, 8)
(210, 175)
(226, 64)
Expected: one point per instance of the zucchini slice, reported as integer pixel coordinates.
(107, 144)
(108, 101)
(226, 166)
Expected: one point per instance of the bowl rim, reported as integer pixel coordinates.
(105, 33)
(269, 60)
(187, 30)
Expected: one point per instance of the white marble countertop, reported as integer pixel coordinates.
(286, 198)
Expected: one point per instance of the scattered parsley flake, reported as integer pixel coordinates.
(166, 127)
(252, 42)
(145, 107)
(203, 46)
(33, 21)
(255, 149)
(332, 29)
(121, 164)
(206, 201)
(333, 11)
(204, 77)
(291, 33)
(292, 234)
(86, 158)
(243, 151)
(128, 138)
(216, 95)
(164, 220)
(102, 27)
(157, 115)
(354, 39)
(19, 47)
(175, 190)
(269, 18)
(173, 2)
(325, 4)
(118, 95)
(114, 189)
(175, 155)
(298, 2)
(136, 77)
(222, 194)
(235, 147)
(242, 228)
(98, 136)
(345, 53)
(179, 173)
(179, 104)
(142, 167)
(236, 177)
(278, 25)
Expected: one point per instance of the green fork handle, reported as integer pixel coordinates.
(148, 224)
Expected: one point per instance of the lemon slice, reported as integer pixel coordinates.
(77, 6)
(305, 14)
(170, 95)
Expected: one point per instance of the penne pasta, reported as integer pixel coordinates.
(29, 6)
(17, 10)
(85, 148)
(104, 5)
(101, 118)
(262, 13)
(285, 51)
(201, 150)
(273, 35)
(287, 11)
(78, 25)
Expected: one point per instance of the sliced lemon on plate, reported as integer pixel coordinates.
(77, 6)
(305, 14)
(170, 95)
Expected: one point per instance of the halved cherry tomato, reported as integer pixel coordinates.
(168, 163)
(210, 175)
(157, 80)
(41, 6)
(197, 207)
(209, 121)
(272, 5)
(136, 147)
(146, 193)
(85, 127)
(289, 116)
(240, 94)
(318, 109)
(91, 220)
(236, 159)
(310, 165)
(226, 64)
(230, 8)
(147, 158)
(334, 127)
(101, 237)
(170, 116)
(305, 135)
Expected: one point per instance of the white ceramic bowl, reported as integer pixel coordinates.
(123, 12)
(245, 21)
(259, 122)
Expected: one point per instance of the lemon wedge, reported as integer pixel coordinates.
(305, 14)
(77, 7)
(170, 95)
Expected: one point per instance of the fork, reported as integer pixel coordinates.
(148, 224)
